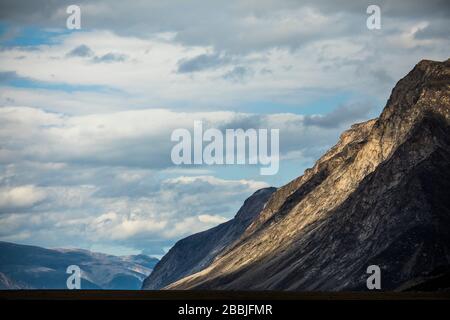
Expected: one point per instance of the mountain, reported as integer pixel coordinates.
(380, 196)
(197, 251)
(31, 267)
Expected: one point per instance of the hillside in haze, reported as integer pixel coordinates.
(378, 197)
(31, 267)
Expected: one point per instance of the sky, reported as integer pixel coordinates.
(86, 115)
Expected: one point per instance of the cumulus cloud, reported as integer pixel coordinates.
(19, 198)
(211, 219)
(86, 52)
(231, 25)
(202, 62)
(156, 71)
(110, 57)
(7, 76)
(343, 115)
(238, 73)
(173, 208)
(81, 51)
(435, 29)
(110, 139)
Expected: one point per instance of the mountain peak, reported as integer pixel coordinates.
(425, 86)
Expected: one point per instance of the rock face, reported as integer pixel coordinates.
(31, 267)
(379, 197)
(197, 251)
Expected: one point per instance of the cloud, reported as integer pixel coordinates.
(211, 219)
(157, 71)
(81, 51)
(110, 57)
(85, 52)
(343, 115)
(233, 26)
(59, 214)
(109, 139)
(237, 74)
(7, 76)
(435, 29)
(202, 62)
(19, 198)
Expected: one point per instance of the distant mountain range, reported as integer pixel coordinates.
(380, 197)
(31, 267)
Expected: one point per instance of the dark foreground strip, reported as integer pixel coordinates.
(86, 304)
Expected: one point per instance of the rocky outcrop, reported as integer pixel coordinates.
(380, 196)
(197, 251)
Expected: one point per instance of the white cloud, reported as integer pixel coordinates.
(148, 75)
(213, 181)
(110, 138)
(86, 214)
(19, 198)
(211, 219)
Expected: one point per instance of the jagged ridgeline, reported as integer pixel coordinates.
(380, 196)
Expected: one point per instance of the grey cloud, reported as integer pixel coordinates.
(437, 29)
(7, 76)
(266, 71)
(232, 26)
(343, 115)
(237, 74)
(244, 122)
(48, 137)
(109, 57)
(383, 76)
(45, 10)
(202, 62)
(81, 51)
(390, 8)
